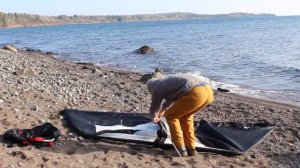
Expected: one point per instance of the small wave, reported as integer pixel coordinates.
(232, 87)
(295, 72)
(214, 84)
(287, 96)
(285, 69)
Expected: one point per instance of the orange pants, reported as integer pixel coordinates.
(180, 116)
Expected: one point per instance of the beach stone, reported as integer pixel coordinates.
(84, 63)
(35, 108)
(20, 164)
(16, 94)
(19, 117)
(45, 159)
(30, 49)
(271, 110)
(80, 138)
(298, 134)
(23, 155)
(33, 50)
(41, 121)
(10, 145)
(10, 48)
(1, 101)
(109, 74)
(223, 90)
(11, 166)
(144, 50)
(80, 161)
(95, 70)
(20, 81)
(74, 79)
(254, 156)
(85, 67)
(146, 77)
(26, 72)
(177, 164)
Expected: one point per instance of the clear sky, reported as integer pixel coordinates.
(114, 7)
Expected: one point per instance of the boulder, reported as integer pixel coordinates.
(49, 53)
(222, 90)
(95, 70)
(29, 71)
(144, 50)
(84, 63)
(10, 48)
(30, 49)
(33, 50)
(146, 77)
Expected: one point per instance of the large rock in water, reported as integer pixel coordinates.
(10, 48)
(144, 50)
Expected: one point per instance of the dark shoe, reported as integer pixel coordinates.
(191, 152)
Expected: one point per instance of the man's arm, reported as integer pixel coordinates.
(155, 104)
(166, 104)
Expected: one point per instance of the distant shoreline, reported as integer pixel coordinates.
(15, 20)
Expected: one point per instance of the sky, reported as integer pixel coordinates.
(127, 7)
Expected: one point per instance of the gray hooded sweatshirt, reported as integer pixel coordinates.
(170, 89)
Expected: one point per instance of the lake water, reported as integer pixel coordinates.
(258, 57)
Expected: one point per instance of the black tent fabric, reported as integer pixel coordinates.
(234, 137)
(229, 138)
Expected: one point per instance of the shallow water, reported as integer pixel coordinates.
(257, 57)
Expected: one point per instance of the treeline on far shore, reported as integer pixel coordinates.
(23, 19)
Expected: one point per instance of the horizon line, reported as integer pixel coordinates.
(253, 13)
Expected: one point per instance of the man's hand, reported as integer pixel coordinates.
(157, 117)
(160, 113)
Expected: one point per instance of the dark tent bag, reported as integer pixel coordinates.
(42, 135)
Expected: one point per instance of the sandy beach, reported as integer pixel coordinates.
(27, 100)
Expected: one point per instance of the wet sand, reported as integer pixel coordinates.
(31, 99)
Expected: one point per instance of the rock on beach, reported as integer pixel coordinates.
(10, 48)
